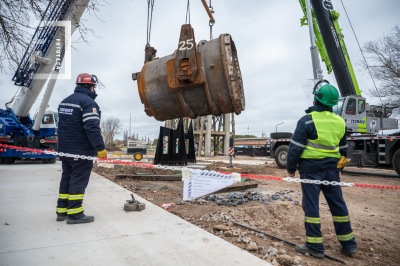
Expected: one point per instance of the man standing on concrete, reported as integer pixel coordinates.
(78, 133)
(318, 144)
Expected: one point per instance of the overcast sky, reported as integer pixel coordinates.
(273, 53)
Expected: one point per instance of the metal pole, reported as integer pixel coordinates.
(314, 49)
(230, 162)
(278, 125)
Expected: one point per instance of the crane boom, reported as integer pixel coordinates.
(335, 48)
(41, 55)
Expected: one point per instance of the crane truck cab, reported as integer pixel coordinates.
(49, 124)
(360, 117)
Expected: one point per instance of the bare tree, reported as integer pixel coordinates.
(383, 60)
(110, 127)
(15, 16)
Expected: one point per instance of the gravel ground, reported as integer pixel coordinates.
(374, 213)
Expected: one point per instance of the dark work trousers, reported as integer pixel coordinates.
(74, 180)
(337, 206)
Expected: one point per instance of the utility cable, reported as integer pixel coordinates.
(187, 12)
(359, 46)
(150, 5)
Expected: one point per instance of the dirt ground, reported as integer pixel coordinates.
(374, 213)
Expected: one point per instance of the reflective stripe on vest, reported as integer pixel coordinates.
(330, 129)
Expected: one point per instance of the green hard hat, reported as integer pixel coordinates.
(327, 95)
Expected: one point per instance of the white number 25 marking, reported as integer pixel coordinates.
(188, 42)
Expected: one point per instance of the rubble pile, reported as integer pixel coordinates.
(239, 198)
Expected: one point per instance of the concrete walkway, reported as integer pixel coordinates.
(30, 235)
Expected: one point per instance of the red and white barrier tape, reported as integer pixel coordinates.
(174, 168)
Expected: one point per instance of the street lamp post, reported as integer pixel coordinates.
(278, 125)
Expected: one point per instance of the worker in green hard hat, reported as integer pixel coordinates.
(317, 150)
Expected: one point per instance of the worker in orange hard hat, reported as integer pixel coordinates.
(78, 133)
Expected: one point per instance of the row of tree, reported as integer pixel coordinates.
(110, 128)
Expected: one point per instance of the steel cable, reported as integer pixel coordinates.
(150, 5)
(359, 46)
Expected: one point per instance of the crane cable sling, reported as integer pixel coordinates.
(211, 23)
(174, 168)
(187, 12)
(369, 70)
(150, 5)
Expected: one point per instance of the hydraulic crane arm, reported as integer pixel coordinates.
(318, 37)
(331, 45)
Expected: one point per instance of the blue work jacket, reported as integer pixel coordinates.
(79, 124)
(306, 130)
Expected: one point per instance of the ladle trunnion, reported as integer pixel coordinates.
(194, 81)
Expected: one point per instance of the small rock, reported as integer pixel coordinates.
(221, 227)
(282, 251)
(228, 233)
(297, 260)
(272, 254)
(275, 263)
(296, 202)
(271, 249)
(290, 199)
(246, 239)
(253, 247)
(285, 260)
(236, 233)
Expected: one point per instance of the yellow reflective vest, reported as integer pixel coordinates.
(330, 129)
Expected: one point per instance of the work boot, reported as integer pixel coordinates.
(312, 252)
(84, 219)
(61, 218)
(348, 252)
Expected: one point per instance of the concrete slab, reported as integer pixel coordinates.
(30, 235)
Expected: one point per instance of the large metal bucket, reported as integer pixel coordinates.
(212, 85)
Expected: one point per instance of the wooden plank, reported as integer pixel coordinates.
(150, 177)
(236, 187)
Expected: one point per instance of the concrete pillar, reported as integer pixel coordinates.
(168, 124)
(227, 127)
(207, 142)
(201, 126)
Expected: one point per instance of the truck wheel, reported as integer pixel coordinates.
(46, 160)
(396, 161)
(281, 155)
(52, 160)
(138, 156)
(281, 135)
(7, 160)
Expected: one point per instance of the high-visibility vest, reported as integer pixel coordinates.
(330, 129)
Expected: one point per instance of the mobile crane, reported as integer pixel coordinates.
(42, 60)
(367, 149)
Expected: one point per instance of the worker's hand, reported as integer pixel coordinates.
(102, 154)
(343, 162)
(291, 174)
